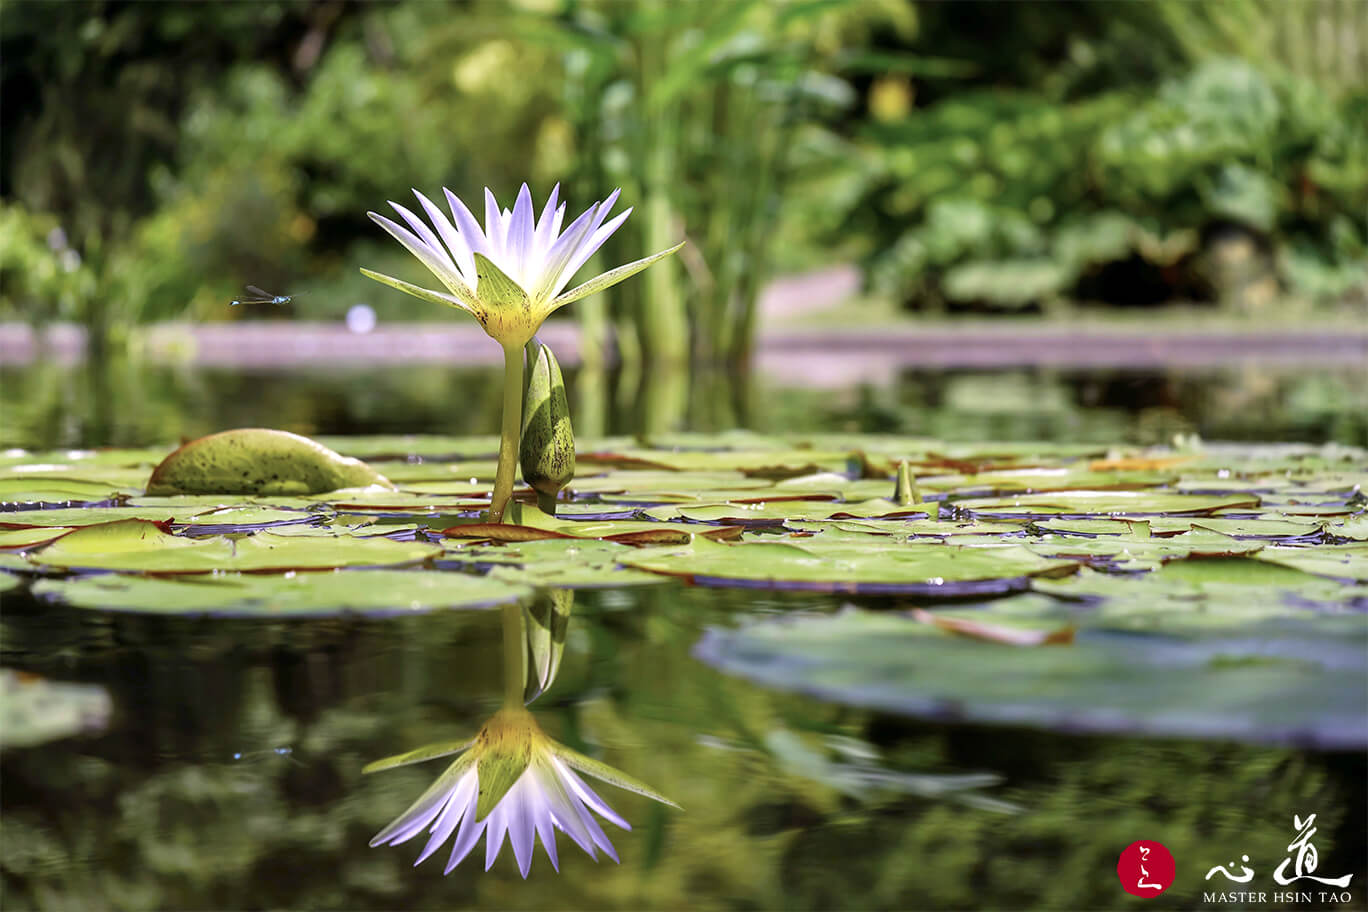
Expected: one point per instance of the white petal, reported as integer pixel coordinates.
(494, 833)
(520, 228)
(467, 224)
(460, 250)
(423, 231)
(426, 808)
(587, 249)
(520, 828)
(437, 262)
(560, 253)
(467, 837)
(587, 795)
(545, 232)
(459, 805)
(496, 231)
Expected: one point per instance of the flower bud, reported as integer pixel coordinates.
(547, 452)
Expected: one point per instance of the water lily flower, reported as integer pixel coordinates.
(513, 780)
(510, 276)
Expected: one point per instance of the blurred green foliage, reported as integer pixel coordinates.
(969, 154)
(1131, 155)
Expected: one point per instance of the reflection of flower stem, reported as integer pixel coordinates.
(515, 654)
(512, 427)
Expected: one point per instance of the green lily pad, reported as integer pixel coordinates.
(561, 563)
(757, 464)
(528, 523)
(241, 515)
(1339, 561)
(774, 513)
(34, 710)
(1104, 503)
(846, 566)
(649, 484)
(139, 546)
(258, 461)
(368, 592)
(20, 539)
(1307, 690)
(46, 489)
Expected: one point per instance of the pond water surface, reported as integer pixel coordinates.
(229, 776)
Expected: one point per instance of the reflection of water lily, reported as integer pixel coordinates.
(511, 779)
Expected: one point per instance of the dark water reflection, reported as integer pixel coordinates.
(131, 403)
(161, 812)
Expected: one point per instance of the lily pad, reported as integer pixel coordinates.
(139, 546)
(1311, 690)
(1084, 504)
(258, 461)
(846, 566)
(368, 592)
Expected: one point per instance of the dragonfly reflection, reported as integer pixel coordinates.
(256, 295)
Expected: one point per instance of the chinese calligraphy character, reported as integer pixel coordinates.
(1140, 881)
(1247, 875)
(1306, 858)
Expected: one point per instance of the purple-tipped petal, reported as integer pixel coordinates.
(588, 249)
(545, 232)
(466, 838)
(494, 832)
(561, 251)
(588, 796)
(421, 229)
(496, 230)
(520, 827)
(459, 249)
(458, 806)
(467, 224)
(438, 265)
(520, 228)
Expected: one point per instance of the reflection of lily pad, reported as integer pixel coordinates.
(1303, 689)
(34, 710)
(849, 566)
(139, 546)
(370, 592)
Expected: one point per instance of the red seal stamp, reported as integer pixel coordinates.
(1145, 868)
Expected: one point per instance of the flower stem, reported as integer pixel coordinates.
(514, 654)
(512, 428)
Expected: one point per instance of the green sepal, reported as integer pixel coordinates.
(494, 288)
(499, 771)
(436, 297)
(608, 774)
(419, 755)
(610, 278)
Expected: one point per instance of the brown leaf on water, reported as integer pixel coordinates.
(997, 633)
